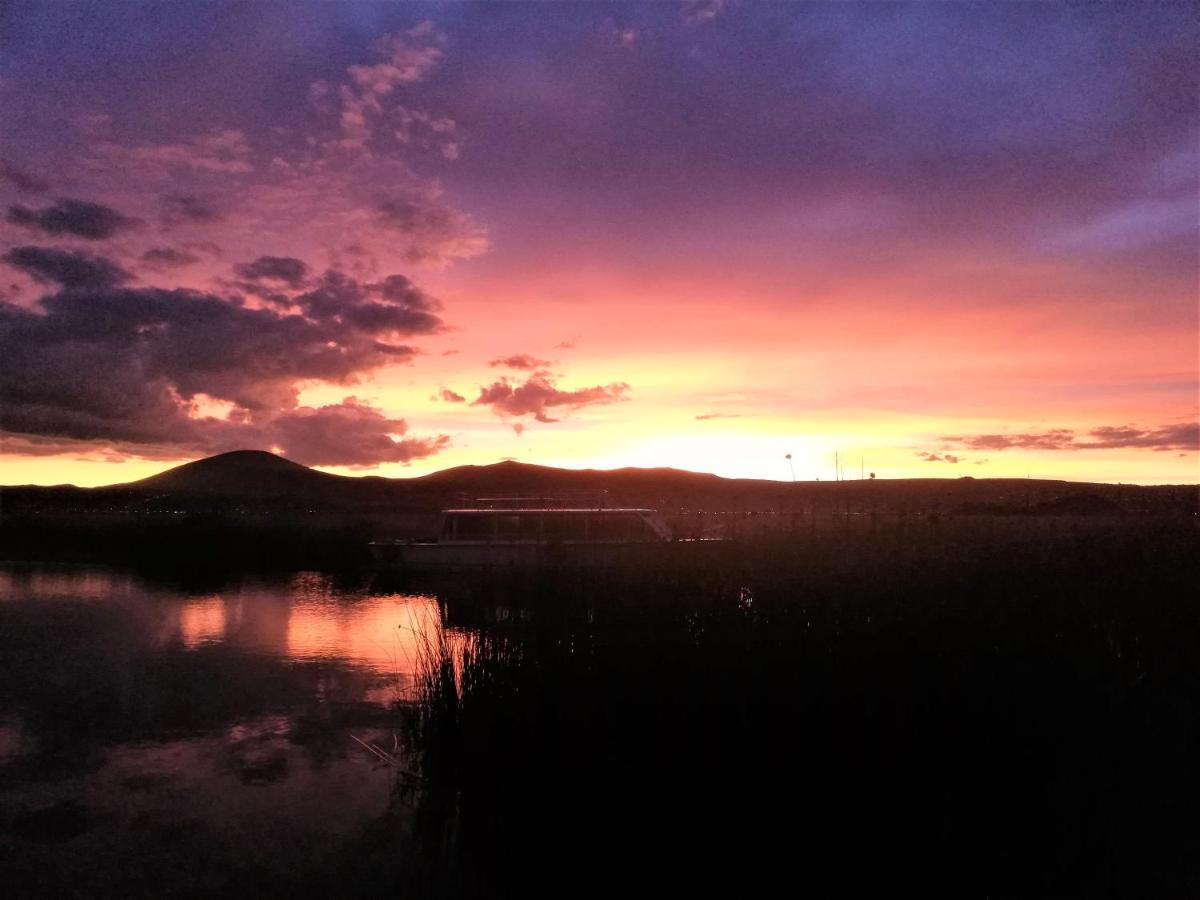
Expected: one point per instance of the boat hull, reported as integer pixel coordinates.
(503, 556)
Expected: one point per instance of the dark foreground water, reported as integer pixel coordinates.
(159, 736)
(916, 710)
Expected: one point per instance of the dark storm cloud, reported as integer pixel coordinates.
(80, 218)
(286, 269)
(198, 343)
(391, 305)
(351, 433)
(20, 179)
(519, 361)
(1183, 436)
(70, 268)
(538, 394)
(168, 257)
(124, 365)
(401, 291)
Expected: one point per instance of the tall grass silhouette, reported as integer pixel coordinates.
(989, 717)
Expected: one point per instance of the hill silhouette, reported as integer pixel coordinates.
(258, 481)
(245, 472)
(256, 472)
(253, 508)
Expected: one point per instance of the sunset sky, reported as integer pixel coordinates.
(943, 239)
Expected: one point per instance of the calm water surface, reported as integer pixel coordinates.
(202, 725)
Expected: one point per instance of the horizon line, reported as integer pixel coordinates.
(810, 481)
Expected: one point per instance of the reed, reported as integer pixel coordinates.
(969, 712)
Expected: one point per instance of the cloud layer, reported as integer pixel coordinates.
(749, 209)
(519, 361)
(71, 269)
(77, 218)
(1180, 436)
(97, 361)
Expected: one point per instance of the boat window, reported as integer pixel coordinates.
(518, 528)
(565, 528)
(613, 528)
(644, 530)
(473, 528)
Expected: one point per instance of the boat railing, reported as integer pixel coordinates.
(559, 499)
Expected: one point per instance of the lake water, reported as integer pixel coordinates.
(192, 734)
(995, 719)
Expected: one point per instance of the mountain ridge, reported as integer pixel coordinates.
(259, 481)
(223, 467)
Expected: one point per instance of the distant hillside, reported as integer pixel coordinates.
(258, 475)
(514, 476)
(242, 472)
(251, 508)
(251, 481)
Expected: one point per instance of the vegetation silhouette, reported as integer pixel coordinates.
(987, 720)
(981, 687)
(255, 509)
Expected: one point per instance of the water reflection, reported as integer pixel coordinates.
(158, 721)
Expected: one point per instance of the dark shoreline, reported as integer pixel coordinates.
(975, 705)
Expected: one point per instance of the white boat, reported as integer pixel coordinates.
(532, 536)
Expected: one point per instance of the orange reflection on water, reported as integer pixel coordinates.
(202, 622)
(384, 633)
(307, 618)
(83, 584)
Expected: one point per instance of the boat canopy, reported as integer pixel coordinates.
(552, 524)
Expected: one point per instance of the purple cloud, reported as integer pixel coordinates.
(1184, 436)
(393, 305)
(20, 179)
(177, 208)
(168, 258)
(538, 394)
(69, 217)
(1054, 439)
(104, 363)
(69, 268)
(286, 269)
(519, 361)
(351, 433)
(432, 231)
(929, 456)
(218, 151)
(363, 103)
